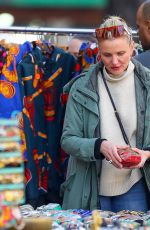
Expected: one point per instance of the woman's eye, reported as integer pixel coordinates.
(107, 55)
(121, 53)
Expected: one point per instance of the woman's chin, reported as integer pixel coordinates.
(116, 72)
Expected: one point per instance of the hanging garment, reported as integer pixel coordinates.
(87, 56)
(36, 157)
(54, 113)
(10, 102)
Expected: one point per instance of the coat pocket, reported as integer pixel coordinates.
(66, 186)
(146, 171)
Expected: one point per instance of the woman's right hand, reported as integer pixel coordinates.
(109, 150)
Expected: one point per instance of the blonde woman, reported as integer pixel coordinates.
(92, 134)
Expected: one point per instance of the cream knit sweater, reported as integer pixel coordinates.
(116, 181)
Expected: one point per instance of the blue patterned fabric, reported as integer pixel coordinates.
(10, 102)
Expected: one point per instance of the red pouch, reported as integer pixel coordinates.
(129, 157)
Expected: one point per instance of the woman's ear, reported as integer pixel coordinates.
(98, 57)
(147, 23)
(132, 48)
(132, 44)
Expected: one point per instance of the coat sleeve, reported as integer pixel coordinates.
(73, 140)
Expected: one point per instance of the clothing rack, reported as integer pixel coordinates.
(46, 30)
(41, 30)
(59, 36)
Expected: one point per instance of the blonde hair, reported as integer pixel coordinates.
(115, 21)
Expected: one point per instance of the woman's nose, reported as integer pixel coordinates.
(114, 60)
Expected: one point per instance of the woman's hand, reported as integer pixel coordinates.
(145, 155)
(110, 152)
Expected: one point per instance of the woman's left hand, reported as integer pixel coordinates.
(145, 155)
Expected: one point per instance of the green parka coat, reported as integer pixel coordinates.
(82, 128)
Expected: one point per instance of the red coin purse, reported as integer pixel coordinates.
(129, 157)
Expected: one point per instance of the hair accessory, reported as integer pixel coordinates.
(112, 32)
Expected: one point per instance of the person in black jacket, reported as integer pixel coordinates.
(143, 23)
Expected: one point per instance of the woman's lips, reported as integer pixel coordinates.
(115, 68)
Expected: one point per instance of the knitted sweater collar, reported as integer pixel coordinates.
(110, 77)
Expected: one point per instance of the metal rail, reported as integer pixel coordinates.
(41, 30)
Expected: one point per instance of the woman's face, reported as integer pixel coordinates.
(116, 54)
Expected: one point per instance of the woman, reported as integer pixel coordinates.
(92, 134)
